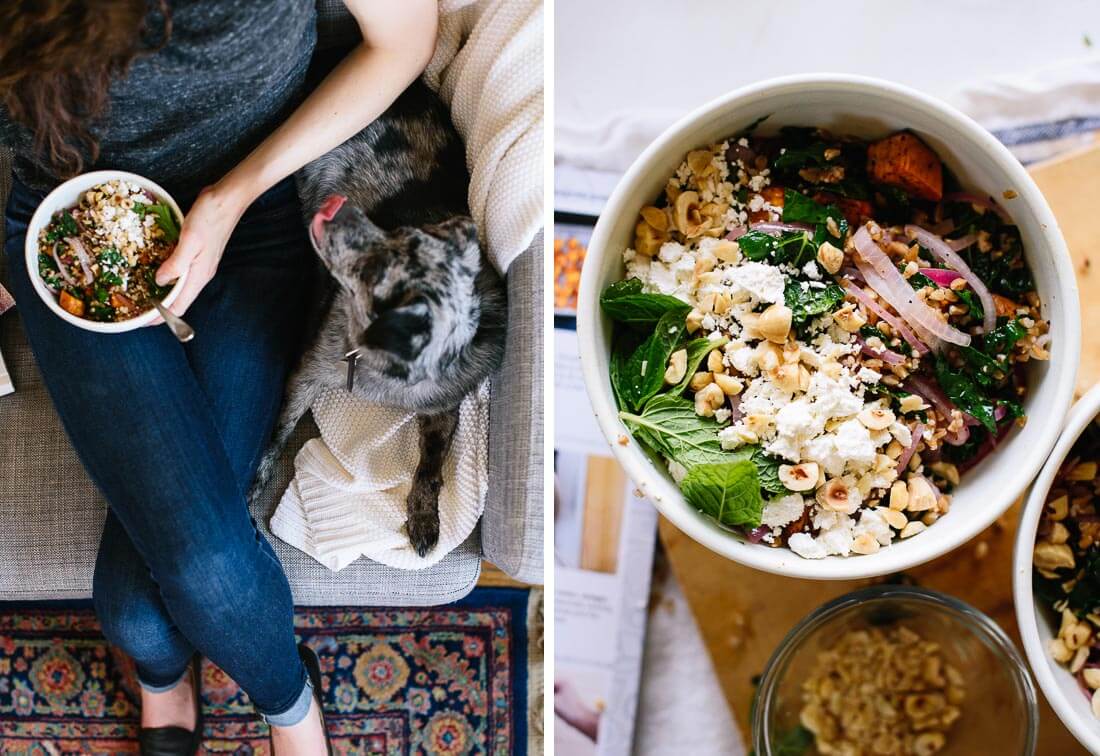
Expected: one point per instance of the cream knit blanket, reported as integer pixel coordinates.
(347, 498)
(488, 67)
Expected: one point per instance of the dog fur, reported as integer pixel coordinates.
(408, 286)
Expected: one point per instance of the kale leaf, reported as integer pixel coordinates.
(965, 393)
(62, 225)
(806, 304)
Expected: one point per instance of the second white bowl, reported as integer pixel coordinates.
(869, 108)
(1036, 626)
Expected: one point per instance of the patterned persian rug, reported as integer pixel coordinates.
(439, 680)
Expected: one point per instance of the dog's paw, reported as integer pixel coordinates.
(423, 530)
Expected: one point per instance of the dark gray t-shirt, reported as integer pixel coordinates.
(187, 113)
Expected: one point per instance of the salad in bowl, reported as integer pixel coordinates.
(820, 335)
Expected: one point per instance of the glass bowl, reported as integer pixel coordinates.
(995, 676)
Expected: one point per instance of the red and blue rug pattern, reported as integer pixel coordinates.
(438, 680)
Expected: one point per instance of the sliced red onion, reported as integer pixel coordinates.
(932, 393)
(961, 243)
(735, 408)
(933, 486)
(774, 229)
(944, 227)
(852, 273)
(887, 281)
(917, 432)
(986, 447)
(756, 535)
(980, 201)
(1000, 412)
(949, 257)
(886, 355)
(61, 266)
(895, 322)
(736, 233)
(940, 276)
(82, 255)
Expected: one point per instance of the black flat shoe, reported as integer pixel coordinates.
(313, 669)
(176, 741)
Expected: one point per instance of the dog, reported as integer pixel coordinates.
(410, 300)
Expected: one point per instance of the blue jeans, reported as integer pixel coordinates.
(171, 434)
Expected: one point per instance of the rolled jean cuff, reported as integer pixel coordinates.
(297, 711)
(155, 688)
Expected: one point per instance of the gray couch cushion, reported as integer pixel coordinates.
(512, 530)
(51, 515)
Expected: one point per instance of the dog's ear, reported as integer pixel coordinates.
(459, 230)
(403, 331)
(348, 242)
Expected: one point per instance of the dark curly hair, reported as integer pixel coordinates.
(57, 59)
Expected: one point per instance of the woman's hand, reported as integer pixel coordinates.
(203, 237)
(398, 40)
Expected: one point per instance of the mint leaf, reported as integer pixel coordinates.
(643, 373)
(697, 351)
(729, 492)
(679, 434)
(165, 219)
(767, 470)
(624, 301)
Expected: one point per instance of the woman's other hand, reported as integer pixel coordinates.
(206, 230)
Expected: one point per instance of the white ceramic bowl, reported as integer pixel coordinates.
(870, 108)
(1036, 627)
(66, 196)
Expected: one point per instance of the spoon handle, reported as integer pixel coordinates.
(175, 324)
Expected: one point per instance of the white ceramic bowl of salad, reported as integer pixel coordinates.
(65, 197)
(871, 109)
(1039, 625)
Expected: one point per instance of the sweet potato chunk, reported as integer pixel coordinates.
(904, 161)
(1006, 308)
(855, 211)
(71, 304)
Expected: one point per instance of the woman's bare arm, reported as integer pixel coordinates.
(398, 40)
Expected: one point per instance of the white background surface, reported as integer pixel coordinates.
(656, 59)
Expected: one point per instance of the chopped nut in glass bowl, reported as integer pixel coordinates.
(893, 670)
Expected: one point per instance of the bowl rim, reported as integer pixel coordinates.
(981, 624)
(41, 217)
(666, 497)
(1086, 731)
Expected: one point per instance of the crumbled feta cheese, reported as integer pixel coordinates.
(670, 252)
(806, 546)
(762, 281)
(867, 375)
(783, 511)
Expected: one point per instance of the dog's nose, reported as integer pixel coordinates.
(328, 210)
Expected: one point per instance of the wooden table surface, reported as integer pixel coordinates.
(736, 607)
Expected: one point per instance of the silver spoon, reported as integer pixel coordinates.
(175, 323)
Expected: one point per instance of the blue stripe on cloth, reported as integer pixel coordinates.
(1047, 130)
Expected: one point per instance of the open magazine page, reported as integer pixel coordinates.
(604, 541)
